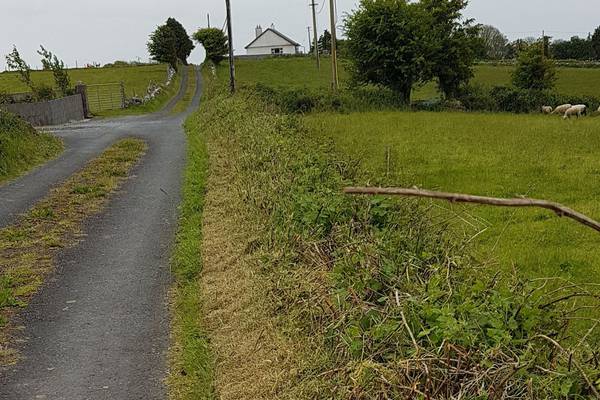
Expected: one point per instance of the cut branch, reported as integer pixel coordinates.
(557, 208)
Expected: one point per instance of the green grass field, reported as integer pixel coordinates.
(136, 79)
(302, 72)
(499, 155)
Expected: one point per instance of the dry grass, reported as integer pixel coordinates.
(254, 358)
(28, 247)
(249, 359)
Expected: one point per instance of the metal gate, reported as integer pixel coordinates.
(106, 96)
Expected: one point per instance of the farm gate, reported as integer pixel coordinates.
(106, 96)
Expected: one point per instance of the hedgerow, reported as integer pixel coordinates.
(402, 309)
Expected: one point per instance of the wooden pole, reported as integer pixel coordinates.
(230, 39)
(559, 209)
(316, 34)
(335, 79)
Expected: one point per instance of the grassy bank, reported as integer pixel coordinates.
(191, 363)
(28, 247)
(312, 294)
(22, 147)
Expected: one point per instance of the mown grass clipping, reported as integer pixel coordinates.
(28, 247)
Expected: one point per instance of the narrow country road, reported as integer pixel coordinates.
(99, 327)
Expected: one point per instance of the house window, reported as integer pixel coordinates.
(277, 51)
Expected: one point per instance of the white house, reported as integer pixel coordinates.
(271, 42)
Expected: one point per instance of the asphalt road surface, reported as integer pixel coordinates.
(99, 327)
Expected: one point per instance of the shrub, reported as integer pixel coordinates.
(535, 70)
(214, 42)
(477, 98)
(43, 93)
(61, 76)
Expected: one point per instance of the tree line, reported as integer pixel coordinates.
(400, 44)
(496, 46)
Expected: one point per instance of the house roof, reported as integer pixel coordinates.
(275, 31)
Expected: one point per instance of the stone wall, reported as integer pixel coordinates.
(53, 112)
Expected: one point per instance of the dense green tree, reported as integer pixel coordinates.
(454, 44)
(61, 76)
(596, 44)
(385, 45)
(325, 42)
(397, 44)
(534, 69)
(163, 46)
(574, 49)
(214, 42)
(184, 44)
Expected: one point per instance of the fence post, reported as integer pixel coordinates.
(81, 88)
(122, 95)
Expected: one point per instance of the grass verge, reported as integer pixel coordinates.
(190, 90)
(28, 247)
(191, 365)
(313, 294)
(22, 147)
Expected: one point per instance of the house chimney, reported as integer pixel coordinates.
(259, 31)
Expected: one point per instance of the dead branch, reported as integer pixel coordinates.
(559, 209)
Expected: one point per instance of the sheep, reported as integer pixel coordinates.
(577, 110)
(547, 110)
(562, 109)
(599, 109)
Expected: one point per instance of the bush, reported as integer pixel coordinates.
(304, 100)
(515, 100)
(535, 70)
(43, 93)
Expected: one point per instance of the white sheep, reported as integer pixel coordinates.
(562, 109)
(598, 108)
(577, 110)
(547, 110)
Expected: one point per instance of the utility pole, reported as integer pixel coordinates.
(230, 40)
(208, 17)
(334, 66)
(316, 39)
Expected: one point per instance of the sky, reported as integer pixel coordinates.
(87, 31)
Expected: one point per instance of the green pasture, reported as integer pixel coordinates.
(499, 155)
(302, 72)
(136, 79)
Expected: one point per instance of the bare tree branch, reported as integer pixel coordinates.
(557, 208)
